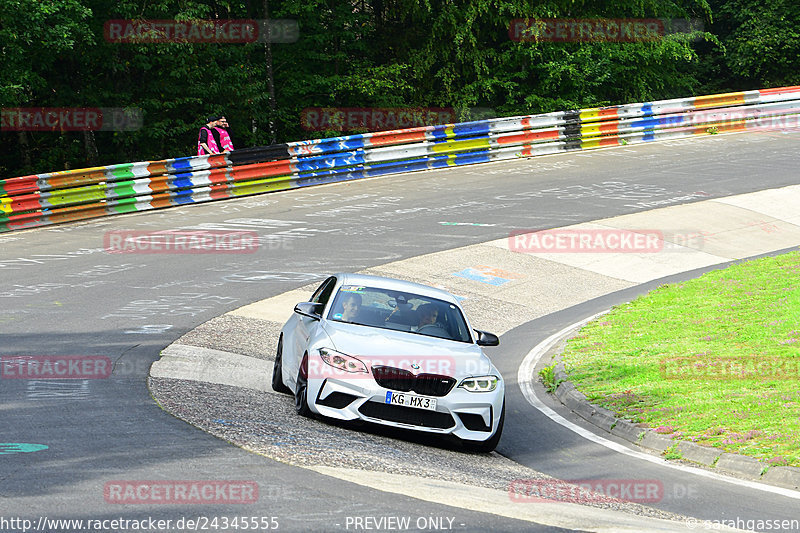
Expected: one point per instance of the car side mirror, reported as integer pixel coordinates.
(309, 309)
(486, 339)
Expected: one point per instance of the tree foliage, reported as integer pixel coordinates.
(360, 53)
(762, 42)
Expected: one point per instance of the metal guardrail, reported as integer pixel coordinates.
(51, 198)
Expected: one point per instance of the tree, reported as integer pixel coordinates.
(36, 41)
(761, 41)
(360, 53)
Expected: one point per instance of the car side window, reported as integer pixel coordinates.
(323, 293)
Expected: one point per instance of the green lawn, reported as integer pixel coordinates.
(715, 360)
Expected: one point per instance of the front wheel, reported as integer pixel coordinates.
(491, 443)
(301, 392)
(277, 370)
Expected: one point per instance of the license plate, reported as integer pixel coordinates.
(410, 400)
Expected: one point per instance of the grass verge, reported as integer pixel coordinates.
(714, 360)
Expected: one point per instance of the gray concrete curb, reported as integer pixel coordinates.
(647, 438)
(698, 454)
(741, 464)
(783, 476)
(179, 361)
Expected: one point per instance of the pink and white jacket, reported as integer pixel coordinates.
(224, 138)
(211, 141)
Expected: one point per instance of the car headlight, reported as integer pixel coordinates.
(479, 383)
(341, 361)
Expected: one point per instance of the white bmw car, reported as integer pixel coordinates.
(391, 352)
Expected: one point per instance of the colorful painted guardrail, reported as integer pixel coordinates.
(51, 198)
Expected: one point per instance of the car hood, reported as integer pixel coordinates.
(401, 349)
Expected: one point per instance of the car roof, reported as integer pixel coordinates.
(380, 282)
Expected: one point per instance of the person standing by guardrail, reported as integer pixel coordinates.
(225, 138)
(214, 137)
(209, 141)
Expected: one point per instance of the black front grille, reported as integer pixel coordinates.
(433, 384)
(402, 380)
(394, 378)
(407, 415)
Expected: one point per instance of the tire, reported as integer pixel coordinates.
(489, 444)
(277, 371)
(301, 392)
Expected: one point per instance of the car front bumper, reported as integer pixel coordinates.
(472, 416)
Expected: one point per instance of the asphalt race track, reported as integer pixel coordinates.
(62, 294)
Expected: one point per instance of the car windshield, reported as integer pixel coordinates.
(400, 311)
